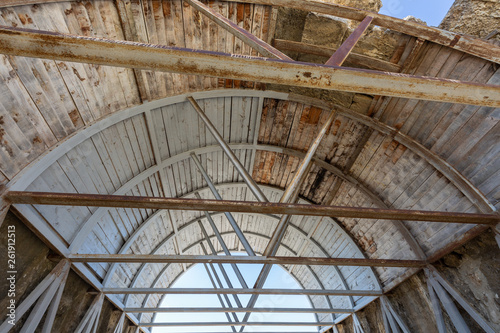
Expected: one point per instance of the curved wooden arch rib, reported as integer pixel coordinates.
(89, 224)
(464, 43)
(30, 173)
(151, 219)
(156, 280)
(22, 180)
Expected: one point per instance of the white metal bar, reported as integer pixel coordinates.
(35, 294)
(54, 306)
(460, 300)
(119, 325)
(247, 178)
(91, 318)
(40, 307)
(211, 324)
(229, 216)
(436, 307)
(450, 307)
(217, 310)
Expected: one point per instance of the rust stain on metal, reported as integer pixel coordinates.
(97, 200)
(455, 40)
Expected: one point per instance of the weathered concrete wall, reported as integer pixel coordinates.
(32, 267)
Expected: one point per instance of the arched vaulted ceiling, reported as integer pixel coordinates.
(80, 128)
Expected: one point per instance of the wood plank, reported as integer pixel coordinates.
(248, 38)
(129, 54)
(461, 42)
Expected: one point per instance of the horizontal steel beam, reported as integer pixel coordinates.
(62, 47)
(239, 291)
(217, 310)
(225, 323)
(101, 200)
(464, 43)
(214, 259)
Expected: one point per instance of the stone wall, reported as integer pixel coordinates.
(479, 18)
(32, 267)
(473, 269)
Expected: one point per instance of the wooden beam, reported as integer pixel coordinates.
(56, 46)
(218, 310)
(102, 200)
(338, 58)
(239, 291)
(228, 259)
(248, 38)
(464, 43)
(322, 51)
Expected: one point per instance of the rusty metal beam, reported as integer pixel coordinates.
(240, 291)
(338, 58)
(57, 46)
(353, 58)
(215, 259)
(223, 310)
(248, 38)
(464, 43)
(102, 200)
(211, 324)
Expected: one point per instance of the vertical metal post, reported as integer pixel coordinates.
(338, 58)
(229, 216)
(496, 230)
(393, 316)
(357, 324)
(294, 186)
(232, 157)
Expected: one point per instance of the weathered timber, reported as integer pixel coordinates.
(323, 51)
(57, 46)
(258, 44)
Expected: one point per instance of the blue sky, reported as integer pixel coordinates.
(196, 277)
(431, 11)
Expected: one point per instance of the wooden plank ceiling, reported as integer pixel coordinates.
(43, 103)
